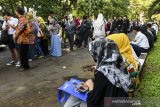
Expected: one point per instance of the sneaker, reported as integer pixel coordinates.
(18, 64)
(10, 63)
(30, 60)
(40, 57)
(71, 49)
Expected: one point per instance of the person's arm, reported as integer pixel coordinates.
(60, 30)
(137, 39)
(20, 28)
(103, 30)
(4, 28)
(12, 26)
(72, 25)
(97, 95)
(32, 28)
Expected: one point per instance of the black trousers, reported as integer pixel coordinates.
(84, 38)
(71, 40)
(23, 50)
(138, 50)
(44, 46)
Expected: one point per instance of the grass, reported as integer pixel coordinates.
(150, 77)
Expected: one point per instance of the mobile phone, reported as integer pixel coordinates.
(79, 88)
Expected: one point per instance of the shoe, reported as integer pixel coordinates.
(21, 69)
(30, 60)
(71, 49)
(24, 69)
(10, 63)
(18, 64)
(78, 46)
(40, 57)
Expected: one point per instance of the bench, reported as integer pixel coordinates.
(142, 59)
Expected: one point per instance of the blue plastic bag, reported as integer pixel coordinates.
(69, 89)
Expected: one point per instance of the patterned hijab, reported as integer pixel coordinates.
(109, 62)
(124, 46)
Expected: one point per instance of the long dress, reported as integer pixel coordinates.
(56, 46)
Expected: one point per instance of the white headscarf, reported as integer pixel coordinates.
(71, 17)
(99, 27)
(99, 21)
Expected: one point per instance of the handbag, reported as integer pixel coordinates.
(40, 33)
(4, 38)
(131, 69)
(69, 89)
(31, 38)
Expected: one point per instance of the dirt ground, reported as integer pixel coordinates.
(37, 87)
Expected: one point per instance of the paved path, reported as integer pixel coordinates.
(38, 86)
(4, 57)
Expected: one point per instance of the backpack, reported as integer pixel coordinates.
(46, 31)
(4, 38)
(86, 26)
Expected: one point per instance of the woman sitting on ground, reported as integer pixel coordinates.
(111, 78)
(140, 44)
(125, 48)
(127, 53)
(148, 35)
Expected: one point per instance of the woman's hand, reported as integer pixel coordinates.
(84, 85)
(90, 84)
(14, 36)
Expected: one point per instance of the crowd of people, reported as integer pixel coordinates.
(117, 64)
(28, 37)
(116, 57)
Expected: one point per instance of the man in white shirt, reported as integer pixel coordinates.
(140, 44)
(9, 26)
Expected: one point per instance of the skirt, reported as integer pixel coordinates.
(55, 46)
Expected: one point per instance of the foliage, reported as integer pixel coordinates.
(154, 8)
(139, 7)
(109, 8)
(149, 86)
(62, 7)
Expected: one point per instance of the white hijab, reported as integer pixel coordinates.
(99, 21)
(99, 27)
(71, 17)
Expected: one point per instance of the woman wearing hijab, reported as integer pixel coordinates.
(70, 30)
(127, 53)
(55, 30)
(99, 27)
(148, 35)
(44, 42)
(111, 78)
(33, 33)
(124, 46)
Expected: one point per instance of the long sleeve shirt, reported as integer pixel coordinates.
(141, 40)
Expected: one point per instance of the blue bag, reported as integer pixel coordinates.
(69, 89)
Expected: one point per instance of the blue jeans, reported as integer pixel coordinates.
(74, 102)
(38, 47)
